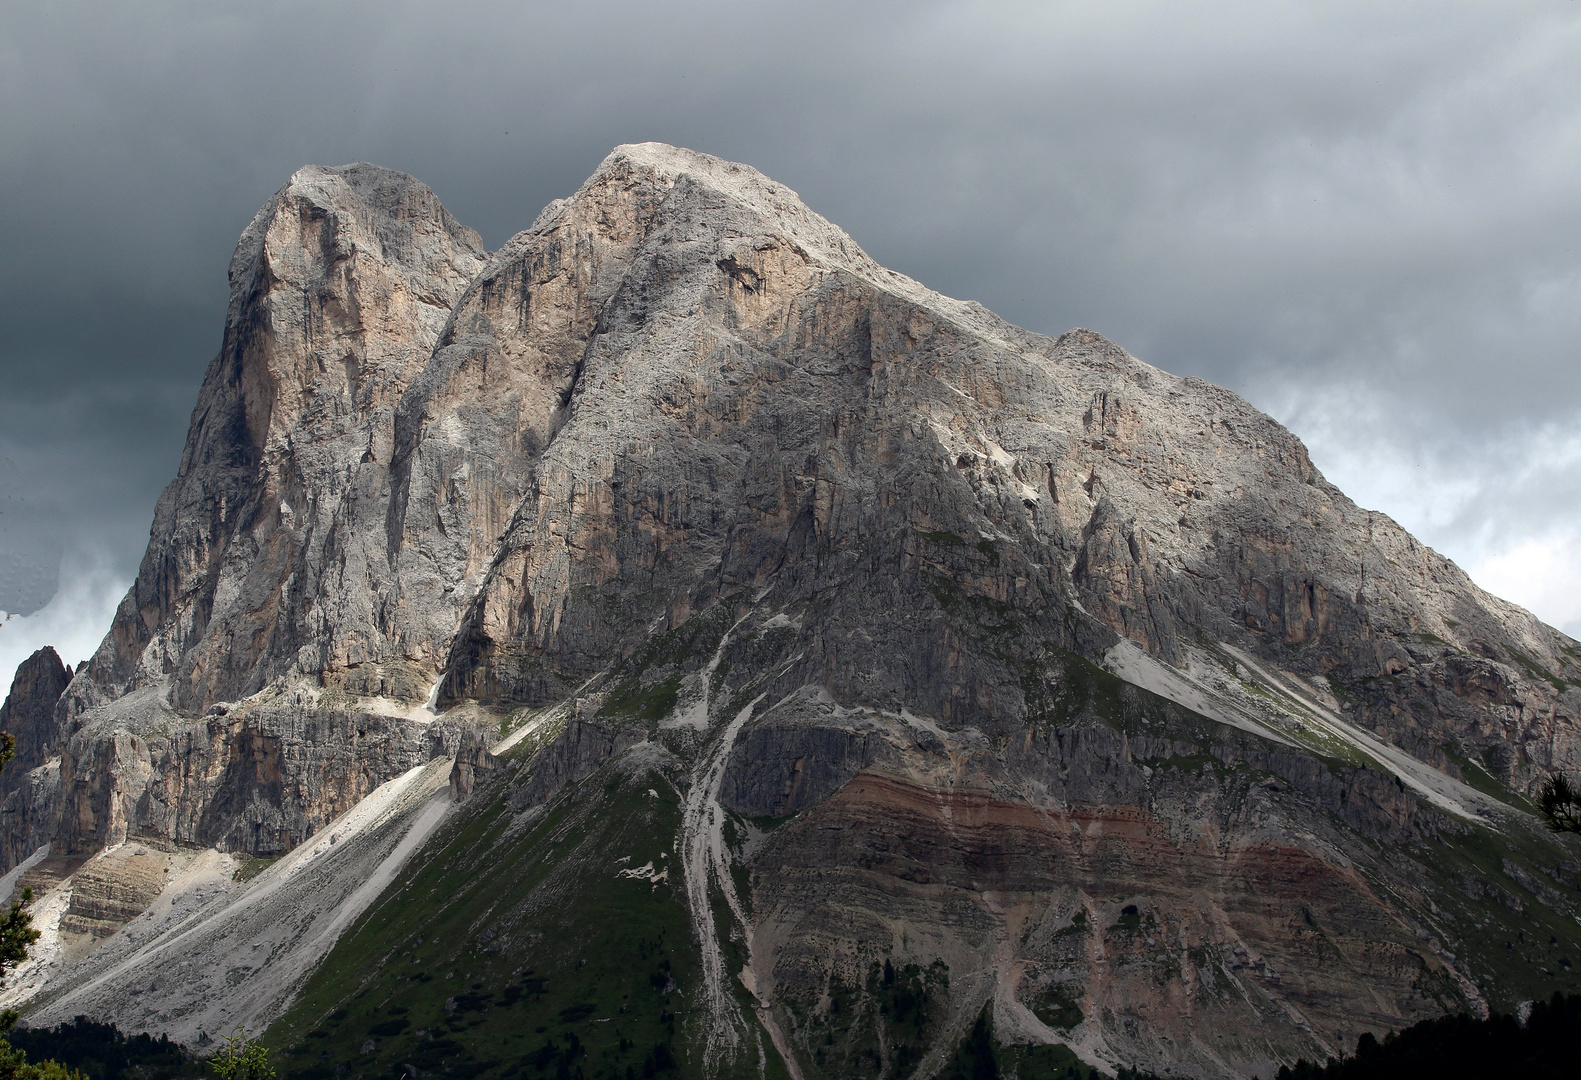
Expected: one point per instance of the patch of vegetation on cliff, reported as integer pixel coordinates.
(985, 619)
(250, 866)
(691, 644)
(980, 1056)
(1067, 687)
(1536, 670)
(647, 685)
(1476, 774)
(551, 943)
(878, 1024)
(942, 537)
(650, 703)
(1058, 1006)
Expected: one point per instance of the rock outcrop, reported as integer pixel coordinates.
(28, 714)
(29, 786)
(413, 463)
(269, 551)
(1002, 652)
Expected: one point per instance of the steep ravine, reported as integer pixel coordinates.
(706, 865)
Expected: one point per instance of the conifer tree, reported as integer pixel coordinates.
(1560, 804)
(241, 1058)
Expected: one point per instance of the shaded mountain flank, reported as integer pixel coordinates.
(675, 644)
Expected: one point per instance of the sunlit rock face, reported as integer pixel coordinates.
(255, 680)
(269, 552)
(1024, 656)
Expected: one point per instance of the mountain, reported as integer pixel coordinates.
(674, 642)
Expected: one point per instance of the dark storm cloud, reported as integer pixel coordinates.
(1360, 216)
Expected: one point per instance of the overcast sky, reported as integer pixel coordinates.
(1363, 217)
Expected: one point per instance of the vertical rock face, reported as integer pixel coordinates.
(268, 552)
(411, 462)
(740, 401)
(683, 463)
(270, 559)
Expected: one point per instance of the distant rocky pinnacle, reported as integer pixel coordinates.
(1024, 639)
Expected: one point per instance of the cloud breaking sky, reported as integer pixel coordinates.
(1361, 217)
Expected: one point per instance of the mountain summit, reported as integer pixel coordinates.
(676, 642)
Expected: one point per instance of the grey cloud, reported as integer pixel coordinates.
(1318, 206)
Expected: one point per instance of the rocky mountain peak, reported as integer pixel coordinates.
(339, 288)
(1038, 652)
(731, 188)
(418, 472)
(339, 270)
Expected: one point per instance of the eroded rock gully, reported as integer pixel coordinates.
(681, 446)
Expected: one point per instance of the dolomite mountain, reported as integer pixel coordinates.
(1062, 686)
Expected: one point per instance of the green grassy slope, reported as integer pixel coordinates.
(511, 947)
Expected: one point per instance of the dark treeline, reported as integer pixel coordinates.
(1546, 1047)
(104, 1052)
